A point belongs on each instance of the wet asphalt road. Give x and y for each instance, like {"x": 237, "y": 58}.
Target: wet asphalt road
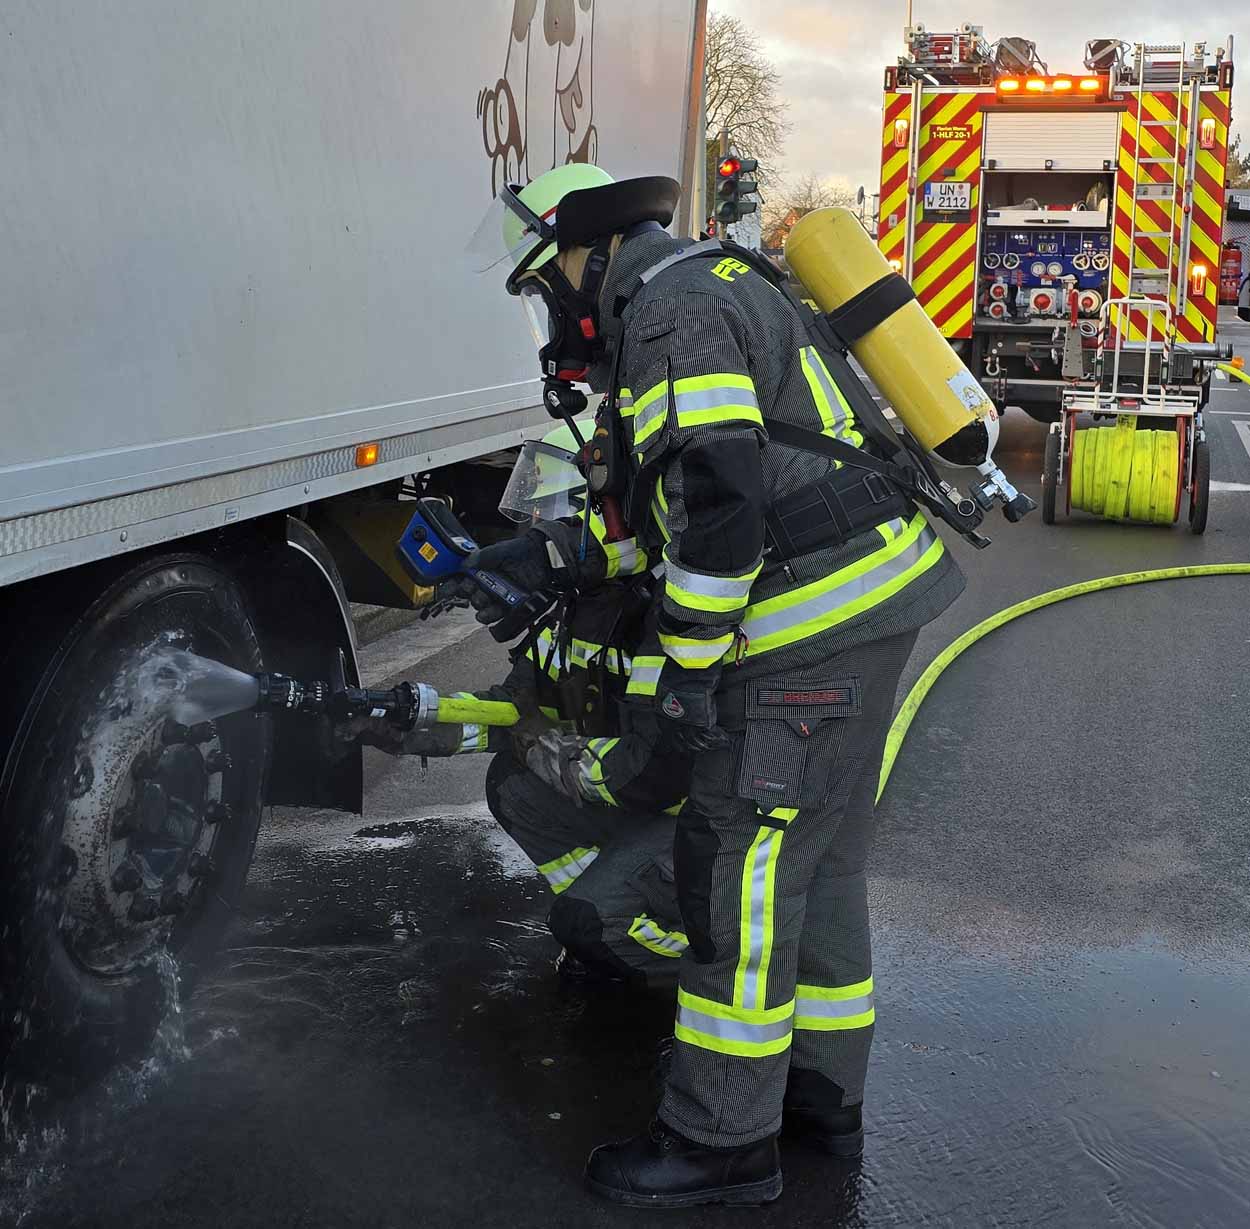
{"x": 1061, "y": 883}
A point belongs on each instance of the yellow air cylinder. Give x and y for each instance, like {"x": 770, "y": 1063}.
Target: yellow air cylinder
{"x": 905, "y": 356}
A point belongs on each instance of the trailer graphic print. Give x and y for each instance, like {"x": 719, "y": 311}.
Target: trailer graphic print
{"x": 548, "y": 72}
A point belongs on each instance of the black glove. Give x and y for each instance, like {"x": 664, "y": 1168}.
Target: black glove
{"x": 521, "y": 561}
{"x": 687, "y": 711}
{"x": 443, "y": 740}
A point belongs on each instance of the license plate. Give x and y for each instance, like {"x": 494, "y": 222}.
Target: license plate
{"x": 948, "y": 195}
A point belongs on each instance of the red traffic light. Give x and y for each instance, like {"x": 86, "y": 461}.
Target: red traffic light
{"x": 728, "y": 167}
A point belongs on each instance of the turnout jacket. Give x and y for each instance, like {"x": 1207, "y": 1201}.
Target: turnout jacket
{"x": 711, "y": 351}
{"x": 576, "y": 672}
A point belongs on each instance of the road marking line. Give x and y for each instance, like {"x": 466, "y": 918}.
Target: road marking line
{"x": 1243, "y": 413}
{"x": 1230, "y": 486}
{"x": 1243, "y": 431}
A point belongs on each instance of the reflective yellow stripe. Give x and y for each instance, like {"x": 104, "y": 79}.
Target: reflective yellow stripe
{"x": 561, "y": 872}
{"x": 650, "y": 412}
{"x": 837, "y": 419}
{"x": 815, "y": 608}
{"x": 827, "y": 1009}
{"x": 755, "y": 924}
{"x": 747, "y": 1033}
{"x": 590, "y": 768}
{"x": 694, "y": 654}
{"x": 625, "y": 558}
{"x": 656, "y": 939}
{"x": 725, "y": 396}
{"x": 705, "y": 592}
{"x": 644, "y": 675}
{"x": 580, "y": 655}
{"x": 625, "y": 403}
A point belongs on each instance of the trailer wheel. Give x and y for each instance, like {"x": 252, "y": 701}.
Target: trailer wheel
{"x": 1050, "y": 477}
{"x": 127, "y": 836}
{"x": 1200, "y": 492}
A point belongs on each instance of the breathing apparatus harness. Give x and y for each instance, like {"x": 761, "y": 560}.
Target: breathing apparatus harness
{"x": 867, "y": 490}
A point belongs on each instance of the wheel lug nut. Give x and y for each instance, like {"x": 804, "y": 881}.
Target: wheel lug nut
{"x": 144, "y": 909}
{"x": 201, "y": 866}
{"x": 175, "y": 732}
{"x": 173, "y": 903}
{"x": 218, "y": 812}
{"x": 67, "y": 867}
{"x": 127, "y": 878}
{"x": 218, "y": 761}
{"x": 143, "y": 766}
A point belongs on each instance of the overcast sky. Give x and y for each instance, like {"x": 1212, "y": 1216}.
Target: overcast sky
{"x": 832, "y": 53}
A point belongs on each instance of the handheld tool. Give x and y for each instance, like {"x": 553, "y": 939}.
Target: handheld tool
{"x": 407, "y": 707}
{"x": 435, "y": 546}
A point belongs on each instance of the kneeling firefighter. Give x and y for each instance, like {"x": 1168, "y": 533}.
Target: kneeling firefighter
{"x": 580, "y": 783}
{"x": 797, "y": 570}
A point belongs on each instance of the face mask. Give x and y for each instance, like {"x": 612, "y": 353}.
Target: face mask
{"x": 575, "y": 345}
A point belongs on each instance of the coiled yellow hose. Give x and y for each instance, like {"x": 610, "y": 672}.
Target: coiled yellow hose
{"x": 916, "y": 697}
{"x": 1125, "y": 473}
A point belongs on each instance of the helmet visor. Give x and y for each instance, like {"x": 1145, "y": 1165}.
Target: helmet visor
{"x": 509, "y": 230}
{"x": 545, "y": 485}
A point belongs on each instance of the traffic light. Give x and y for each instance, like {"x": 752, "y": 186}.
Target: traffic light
{"x": 731, "y": 188}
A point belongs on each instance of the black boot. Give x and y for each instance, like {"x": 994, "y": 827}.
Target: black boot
{"x": 813, "y": 1114}
{"x": 662, "y": 1169}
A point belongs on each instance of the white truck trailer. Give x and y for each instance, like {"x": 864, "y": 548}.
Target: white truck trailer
{"x": 236, "y": 320}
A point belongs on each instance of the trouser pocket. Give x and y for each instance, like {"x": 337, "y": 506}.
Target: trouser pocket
{"x": 793, "y": 731}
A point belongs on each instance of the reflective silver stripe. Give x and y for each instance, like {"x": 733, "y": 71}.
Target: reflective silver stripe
{"x": 624, "y": 555}
{"x": 709, "y": 586}
{"x": 645, "y": 673}
{"x": 757, "y": 627}
{"x": 838, "y": 408}
{"x": 712, "y": 398}
{"x": 750, "y": 972}
{"x": 469, "y": 737}
{"x": 703, "y": 650}
{"x": 732, "y": 1030}
{"x": 833, "y": 1009}
{"x": 648, "y": 419}
{"x": 674, "y": 942}
{"x": 563, "y": 871}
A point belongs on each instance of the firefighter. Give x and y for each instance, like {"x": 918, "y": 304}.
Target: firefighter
{"x": 792, "y": 593}
{"x": 597, "y": 833}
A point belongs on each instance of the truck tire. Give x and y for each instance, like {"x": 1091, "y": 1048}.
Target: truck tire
{"x": 126, "y": 837}
{"x": 1200, "y": 492}
{"x": 1050, "y": 477}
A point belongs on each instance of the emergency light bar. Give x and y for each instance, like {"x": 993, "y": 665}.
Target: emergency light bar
{"x": 1054, "y": 87}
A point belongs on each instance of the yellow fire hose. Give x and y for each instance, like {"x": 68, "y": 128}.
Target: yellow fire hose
{"x": 924, "y": 684}
{"x": 1229, "y": 369}
{"x": 1122, "y": 472}
{"x": 468, "y": 710}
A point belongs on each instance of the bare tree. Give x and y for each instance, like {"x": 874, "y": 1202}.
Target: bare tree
{"x": 788, "y": 202}
{"x": 1238, "y": 165}
{"x": 742, "y": 94}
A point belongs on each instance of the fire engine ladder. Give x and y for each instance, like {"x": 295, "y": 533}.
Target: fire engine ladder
{"x": 1162, "y": 68}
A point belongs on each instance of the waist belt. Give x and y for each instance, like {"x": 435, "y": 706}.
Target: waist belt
{"x": 830, "y": 512}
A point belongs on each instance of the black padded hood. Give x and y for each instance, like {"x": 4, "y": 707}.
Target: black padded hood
{"x": 590, "y": 214}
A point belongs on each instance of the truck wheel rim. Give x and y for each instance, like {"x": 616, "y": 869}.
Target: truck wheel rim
{"x": 163, "y": 787}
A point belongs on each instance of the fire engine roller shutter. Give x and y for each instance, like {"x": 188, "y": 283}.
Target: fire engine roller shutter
{"x": 1072, "y": 140}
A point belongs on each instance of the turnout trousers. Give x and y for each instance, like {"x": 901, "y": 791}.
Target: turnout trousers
{"x": 775, "y": 993}
{"x": 610, "y": 871}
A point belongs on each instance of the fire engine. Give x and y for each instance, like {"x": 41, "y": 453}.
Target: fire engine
{"x": 1056, "y": 226}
